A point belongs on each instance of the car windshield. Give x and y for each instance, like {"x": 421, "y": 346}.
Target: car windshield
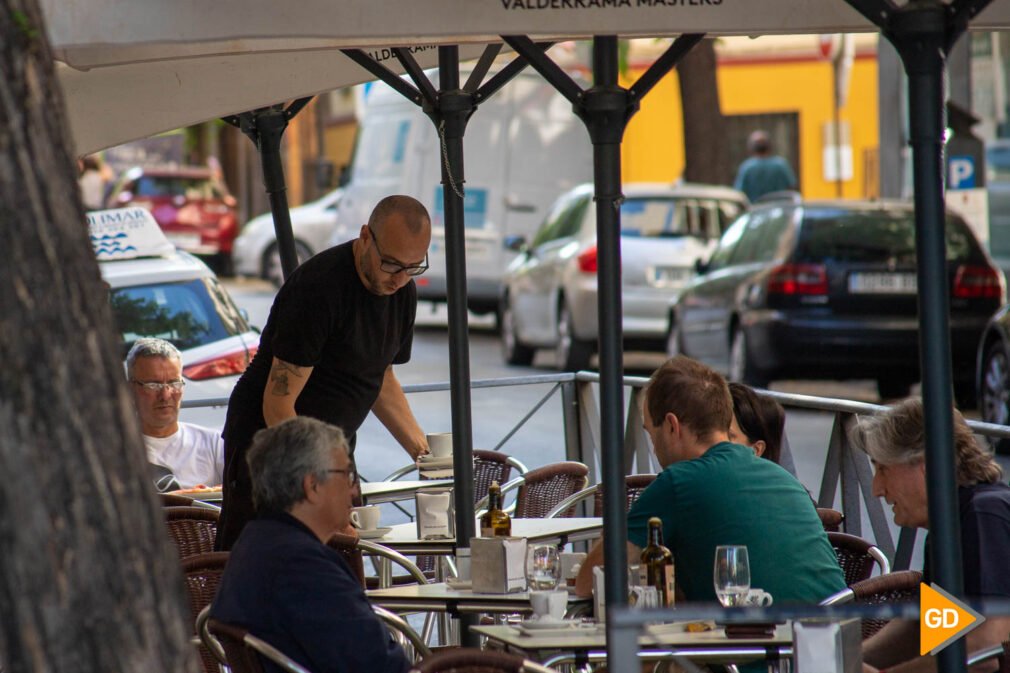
{"x": 189, "y": 314}
{"x": 871, "y": 236}
{"x": 163, "y": 185}
{"x": 672, "y": 217}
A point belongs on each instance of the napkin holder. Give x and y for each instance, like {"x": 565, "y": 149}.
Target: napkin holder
{"x": 436, "y": 514}
{"x": 498, "y": 564}
{"x": 820, "y": 646}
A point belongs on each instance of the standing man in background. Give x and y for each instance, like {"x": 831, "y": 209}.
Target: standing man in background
{"x": 763, "y": 172}
{"x": 336, "y": 328}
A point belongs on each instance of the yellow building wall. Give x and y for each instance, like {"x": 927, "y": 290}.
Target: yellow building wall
{"x": 654, "y": 140}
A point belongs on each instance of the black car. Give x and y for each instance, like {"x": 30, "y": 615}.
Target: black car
{"x": 994, "y": 374}
{"x": 827, "y": 290}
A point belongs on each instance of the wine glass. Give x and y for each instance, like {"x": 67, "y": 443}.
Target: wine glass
{"x": 543, "y": 567}
{"x": 731, "y": 575}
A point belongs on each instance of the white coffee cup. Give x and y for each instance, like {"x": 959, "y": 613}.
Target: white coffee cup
{"x": 758, "y": 597}
{"x": 366, "y": 518}
{"x": 440, "y": 444}
{"x": 549, "y": 605}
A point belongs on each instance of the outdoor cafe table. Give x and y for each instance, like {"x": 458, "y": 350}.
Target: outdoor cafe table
{"x": 376, "y": 492}
{"x": 580, "y": 645}
{"x": 403, "y": 537}
{"x": 438, "y": 597}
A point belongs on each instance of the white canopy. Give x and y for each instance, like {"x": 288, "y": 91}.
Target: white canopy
{"x": 132, "y": 68}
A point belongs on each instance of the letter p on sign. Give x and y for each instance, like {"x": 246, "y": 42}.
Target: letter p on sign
{"x": 942, "y": 619}
{"x": 961, "y": 172}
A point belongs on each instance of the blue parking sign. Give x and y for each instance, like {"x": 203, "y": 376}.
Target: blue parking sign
{"x": 961, "y": 172}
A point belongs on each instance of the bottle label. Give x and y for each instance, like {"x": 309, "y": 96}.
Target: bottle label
{"x": 668, "y": 582}
{"x": 486, "y": 531}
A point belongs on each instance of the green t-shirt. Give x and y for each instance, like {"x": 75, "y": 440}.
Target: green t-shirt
{"x": 730, "y": 496}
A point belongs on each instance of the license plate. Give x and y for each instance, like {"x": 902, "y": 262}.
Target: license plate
{"x": 665, "y": 276}
{"x": 184, "y": 241}
{"x": 883, "y": 283}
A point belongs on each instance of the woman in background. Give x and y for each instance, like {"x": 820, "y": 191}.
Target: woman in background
{"x": 758, "y": 422}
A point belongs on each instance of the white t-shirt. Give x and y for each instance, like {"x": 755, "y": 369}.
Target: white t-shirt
{"x": 195, "y": 455}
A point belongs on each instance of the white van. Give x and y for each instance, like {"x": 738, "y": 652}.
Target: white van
{"x": 523, "y": 147}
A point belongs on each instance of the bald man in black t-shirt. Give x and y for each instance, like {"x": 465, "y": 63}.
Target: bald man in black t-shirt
{"x": 336, "y": 328}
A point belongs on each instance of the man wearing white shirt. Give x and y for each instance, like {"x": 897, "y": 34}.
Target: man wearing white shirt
{"x": 192, "y": 453}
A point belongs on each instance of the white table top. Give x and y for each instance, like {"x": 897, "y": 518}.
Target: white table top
{"x": 403, "y": 537}
{"x": 439, "y": 597}
{"x": 375, "y": 492}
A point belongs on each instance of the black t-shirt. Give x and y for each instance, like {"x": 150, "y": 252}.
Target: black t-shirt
{"x": 324, "y": 317}
{"x": 985, "y": 540}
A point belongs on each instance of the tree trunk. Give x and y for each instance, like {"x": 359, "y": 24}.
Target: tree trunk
{"x": 88, "y": 580}
{"x": 705, "y": 149}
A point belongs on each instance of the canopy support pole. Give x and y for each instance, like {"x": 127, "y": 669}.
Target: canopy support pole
{"x": 923, "y": 32}
{"x": 606, "y": 108}
{"x": 265, "y": 127}
{"x": 449, "y": 107}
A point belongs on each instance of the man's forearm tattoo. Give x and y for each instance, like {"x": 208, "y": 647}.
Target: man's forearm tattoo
{"x": 280, "y": 379}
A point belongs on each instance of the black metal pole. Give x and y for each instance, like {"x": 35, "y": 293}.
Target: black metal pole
{"x": 265, "y": 127}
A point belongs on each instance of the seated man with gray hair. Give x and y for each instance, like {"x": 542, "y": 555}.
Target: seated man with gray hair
{"x": 282, "y": 582}
{"x": 193, "y": 454}
{"x": 895, "y": 442}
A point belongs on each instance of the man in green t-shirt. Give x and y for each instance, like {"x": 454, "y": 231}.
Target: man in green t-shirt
{"x": 712, "y": 492}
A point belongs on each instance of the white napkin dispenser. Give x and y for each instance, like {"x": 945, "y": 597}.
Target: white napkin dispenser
{"x": 498, "y": 564}
{"x": 436, "y": 514}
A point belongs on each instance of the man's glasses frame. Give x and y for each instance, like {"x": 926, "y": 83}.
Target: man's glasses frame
{"x": 392, "y": 267}
{"x": 352, "y": 474}
{"x": 175, "y": 386}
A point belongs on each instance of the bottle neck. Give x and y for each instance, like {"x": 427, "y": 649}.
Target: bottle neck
{"x": 494, "y": 500}
{"x": 655, "y": 536}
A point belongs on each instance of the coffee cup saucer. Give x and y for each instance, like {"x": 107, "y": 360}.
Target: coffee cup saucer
{"x": 373, "y": 533}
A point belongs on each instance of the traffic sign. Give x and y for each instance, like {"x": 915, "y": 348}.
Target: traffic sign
{"x": 961, "y": 172}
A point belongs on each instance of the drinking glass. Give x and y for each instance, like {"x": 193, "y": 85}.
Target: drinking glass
{"x": 543, "y": 567}
{"x": 732, "y": 574}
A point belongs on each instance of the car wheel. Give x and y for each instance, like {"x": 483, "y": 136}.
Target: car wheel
{"x": 271, "y": 267}
{"x": 572, "y": 352}
{"x": 741, "y": 364}
{"x": 514, "y": 351}
{"x": 673, "y": 348}
{"x": 994, "y": 393}
{"x": 893, "y": 387}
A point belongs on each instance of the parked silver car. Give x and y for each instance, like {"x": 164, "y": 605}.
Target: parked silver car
{"x": 549, "y": 291}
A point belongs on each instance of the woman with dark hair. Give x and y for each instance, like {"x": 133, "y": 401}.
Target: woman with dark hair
{"x": 758, "y": 422}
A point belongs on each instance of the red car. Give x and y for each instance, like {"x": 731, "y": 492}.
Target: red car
{"x": 196, "y": 212}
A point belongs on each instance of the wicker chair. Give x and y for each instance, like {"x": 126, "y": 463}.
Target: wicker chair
{"x": 243, "y": 650}
{"x": 831, "y": 519}
{"x": 543, "y": 488}
{"x": 898, "y": 587}
{"x": 202, "y": 574}
{"x": 193, "y": 529}
{"x": 347, "y": 546}
{"x": 857, "y": 557}
{"x": 635, "y": 484}
{"x": 175, "y": 500}
{"x": 999, "y": 653}
{"x": 469, "y": 660}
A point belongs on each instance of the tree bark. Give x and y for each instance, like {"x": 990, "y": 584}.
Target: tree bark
{"x": 88, "y": 579}
{"x": 705, "y": 148}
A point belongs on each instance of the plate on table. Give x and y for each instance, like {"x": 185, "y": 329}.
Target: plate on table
{"x": 428, "y": 461}
{"x": 373, "y": 534}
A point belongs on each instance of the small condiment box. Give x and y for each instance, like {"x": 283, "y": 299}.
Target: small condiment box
{"x": 436, "y": 514}
{"x": 498, "y": 564}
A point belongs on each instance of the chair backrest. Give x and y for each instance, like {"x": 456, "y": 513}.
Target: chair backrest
{"x": 347, "y": 546}
{"x": 193, "y": 529}
{"x": 546, "y": 486}
{"x": 489, "y": 466}
{"x": 897, "y": 587}
{"x": 244, "y": 650}
{"x": 470, "y": 660}
{"x": 831, "y": 519}
{"x": 635, "y": 484}
{"x": 857, "y": 557}
{"x": 409, "y": 639}
{"x": 175, "y": 500}
{"x": 202, "y": 574}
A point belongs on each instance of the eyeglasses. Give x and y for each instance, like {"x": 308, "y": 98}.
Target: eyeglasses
{"x": 157, "y": 387}
{"x": 391, "y": 267}
{"x": 352, "y": 475}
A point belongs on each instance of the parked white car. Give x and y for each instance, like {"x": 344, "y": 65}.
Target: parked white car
{"x": 255, "y": 251}
{"x": 549, "y": 298}
{"x": 158, "y": 291}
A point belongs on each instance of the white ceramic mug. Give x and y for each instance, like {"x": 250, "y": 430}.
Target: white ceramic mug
{"x": 366, "y": 518}
{"x": 440, "y": 444}
{"x": 549, "y": 605}
{"x": 759, "y": 597}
